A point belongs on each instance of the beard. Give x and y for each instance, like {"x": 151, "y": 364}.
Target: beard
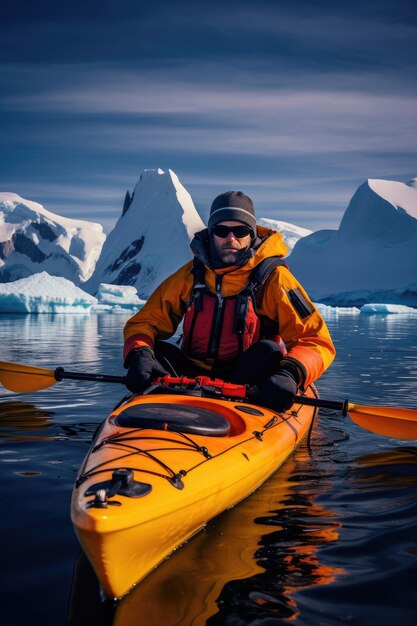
{"x": 228, "y": 253}
{"x": 223, "y": 255}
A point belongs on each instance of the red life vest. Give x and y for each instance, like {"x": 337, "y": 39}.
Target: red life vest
{"x": 216, "y": 329}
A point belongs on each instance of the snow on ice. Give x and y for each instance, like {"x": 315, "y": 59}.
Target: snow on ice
{"x": 333, "y": 311}
{"x": 330, "y": 312}
{"x": 33, "y": 240}
{"x": 383, "y": 309}
{"x": 42, "y": 293}
{"x": 123, "y": 296}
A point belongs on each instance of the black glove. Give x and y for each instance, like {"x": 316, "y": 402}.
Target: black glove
{"x": 279, "y": 390}
{"x": 143, "y": 368}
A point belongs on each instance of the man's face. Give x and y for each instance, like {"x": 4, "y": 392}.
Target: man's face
{"x": 228, "y": 247}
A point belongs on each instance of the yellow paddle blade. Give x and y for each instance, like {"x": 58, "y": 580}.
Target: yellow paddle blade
{"x": 24, "y": 378}
{"x": 385, "y": 420}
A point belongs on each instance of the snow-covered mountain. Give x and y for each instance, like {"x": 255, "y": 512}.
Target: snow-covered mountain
{"x": 372, "y": 256}
{"x": 151, "y": 238}
{"x": 34, "y": 240}
{"x": 290, "y": 233}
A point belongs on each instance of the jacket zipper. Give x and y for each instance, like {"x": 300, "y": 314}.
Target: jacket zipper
{"x": 216, "y": 325}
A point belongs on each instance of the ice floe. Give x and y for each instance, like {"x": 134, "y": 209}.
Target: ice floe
{"x": 113, "y": 296}
{"x": 379, "y": 308}
{"x": 332, "y": 311}
{"x": 42, "y": 293}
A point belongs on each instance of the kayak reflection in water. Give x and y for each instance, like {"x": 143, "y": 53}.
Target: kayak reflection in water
{"x": 246, "y": 319}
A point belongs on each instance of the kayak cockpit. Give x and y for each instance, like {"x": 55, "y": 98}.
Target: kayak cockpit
{"x": 191, "y": 419}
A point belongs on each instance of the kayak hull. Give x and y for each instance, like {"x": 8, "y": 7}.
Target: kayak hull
{"x": 189, "y": 478}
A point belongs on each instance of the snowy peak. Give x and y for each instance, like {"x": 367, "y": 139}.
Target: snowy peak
{"x": 13, "y": 199}
{"x": 381, "y": 211}
{"x": 33, "y": 240}
{"x": 154, "y": 185}
{"x": 402, "y": 196}
{"x": 372, "y": 252}
{"x": 151, "y": 238}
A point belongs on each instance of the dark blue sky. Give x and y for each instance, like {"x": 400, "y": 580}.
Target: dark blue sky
{"x": 294, "y": 103}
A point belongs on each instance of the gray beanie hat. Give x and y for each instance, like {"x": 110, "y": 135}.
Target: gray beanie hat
{"x": 232, "y": 206}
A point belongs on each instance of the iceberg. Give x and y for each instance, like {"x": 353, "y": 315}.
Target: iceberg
{"x": 333, "y": 311}
{"x": 123, "y": 296}
{"x": 384, "y": 309}
{"x": 43, "y": 293}
{"x": 151, "y": 239}
{"x": 371, "y": 257}
{"x": 329, "y": 312}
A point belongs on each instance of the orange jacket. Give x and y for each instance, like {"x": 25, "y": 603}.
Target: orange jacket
{"x": 307, "y": 340}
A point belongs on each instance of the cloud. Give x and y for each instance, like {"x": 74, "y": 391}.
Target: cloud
{"x": 125, "y": 111}
{"x": 196, "y": 88}
{"x": 299, "y": 104}
{"x": 292, "y": 130}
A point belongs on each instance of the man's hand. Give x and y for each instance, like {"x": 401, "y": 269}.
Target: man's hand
{"x": 279, "y": 390}
{"x": 143, "y": 368}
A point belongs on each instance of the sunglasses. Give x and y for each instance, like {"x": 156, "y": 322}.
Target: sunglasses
{"x": 220, "y": 230}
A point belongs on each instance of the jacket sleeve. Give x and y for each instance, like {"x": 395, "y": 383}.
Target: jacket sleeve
{"x": 301, "y": 326}
{"x": 160, "y": 315}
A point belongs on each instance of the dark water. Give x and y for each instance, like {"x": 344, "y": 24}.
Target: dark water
{"x": 330, "y": 539}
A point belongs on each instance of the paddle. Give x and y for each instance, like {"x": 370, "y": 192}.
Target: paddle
{"x": 383, "y": 420}
{"x": 24, "y": 378}
{"x": 389, "y": 421}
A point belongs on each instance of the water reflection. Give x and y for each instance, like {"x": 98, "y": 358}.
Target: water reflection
{"x": 393, "y": 471}
{"x": 81, "y": 338}
{"x": 24, "y": 422}
{"x": 20, "y": 421}
{"x": 377, "y": 500}
{"x": 376, "y": 358}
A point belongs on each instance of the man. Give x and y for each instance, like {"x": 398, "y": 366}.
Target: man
{"x": 246, "y": 318}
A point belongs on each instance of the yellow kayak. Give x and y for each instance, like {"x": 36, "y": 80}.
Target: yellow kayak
{"x": 163, "y": 464}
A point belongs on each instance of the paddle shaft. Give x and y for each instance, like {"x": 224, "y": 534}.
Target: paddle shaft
{"x": 324, "y": 404}
{"x": 61, "y": 374}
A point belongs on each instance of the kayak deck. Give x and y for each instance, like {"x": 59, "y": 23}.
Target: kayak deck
{"x": 161, "y": 466}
